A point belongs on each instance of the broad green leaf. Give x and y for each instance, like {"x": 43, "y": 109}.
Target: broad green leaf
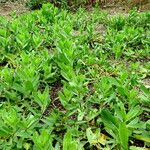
{"x": 109, "y": 120}
{"x": 134, "y": 112}
{"x": 68, "y": 142}
{"x": 123, "y": 136}
{"x": 138, "y": 148}
{"x": 145, "y": 138}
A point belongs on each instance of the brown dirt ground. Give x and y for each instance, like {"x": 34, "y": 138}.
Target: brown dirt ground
{"x": 19, "y": 7}
{"x": 146, "y": 82}
{"x": 9, "y": 7}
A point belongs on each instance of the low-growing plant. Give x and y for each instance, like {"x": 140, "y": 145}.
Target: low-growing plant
{"x": 65, "y": 84}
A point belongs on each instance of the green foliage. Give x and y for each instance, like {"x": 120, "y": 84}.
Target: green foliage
{"x": 43, "y": 99}
{"x": 37, "y": 4}
{"x": 42, "y": 141}
{"x": 69, "y": 143}
{"x": 66, "y": 84}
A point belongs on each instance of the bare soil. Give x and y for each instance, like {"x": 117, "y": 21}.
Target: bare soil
{"x": 19, "y": 7}
{"x": 55, "y": 102}
{"x": 147, "y": 82}
{"x": 6, "y": 9}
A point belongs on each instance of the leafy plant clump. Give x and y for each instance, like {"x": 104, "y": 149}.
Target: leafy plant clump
{"x": 73, "y": 4}
{"x": 68, "y": 84}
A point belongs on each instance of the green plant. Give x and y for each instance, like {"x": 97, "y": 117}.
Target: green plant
{"x": 35, "y": 4}
{"x": 122, "y": 125}
{"x": 42, "y": 140}
{"x": 69, "y": 143}
{"x": 67, "y": 84}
